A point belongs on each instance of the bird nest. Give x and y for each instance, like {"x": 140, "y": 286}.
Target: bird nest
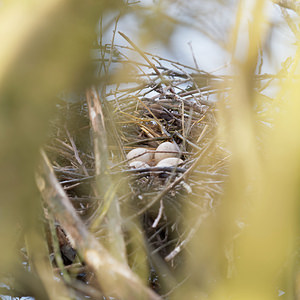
{"x": 161, "y": 101}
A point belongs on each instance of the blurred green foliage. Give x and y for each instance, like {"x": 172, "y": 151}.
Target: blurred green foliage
{"x": 45, "y": 48}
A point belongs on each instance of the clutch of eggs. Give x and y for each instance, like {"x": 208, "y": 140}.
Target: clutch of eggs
{"x": 166, "y": 155}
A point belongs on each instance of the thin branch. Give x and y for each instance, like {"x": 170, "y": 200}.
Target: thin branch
{"x": 104, "y": 182}
{"x": 192, "y": 232}
{"x": 160, "y": 212}
{"x": 139, "y": 51}
{"x": 116, "y": 279}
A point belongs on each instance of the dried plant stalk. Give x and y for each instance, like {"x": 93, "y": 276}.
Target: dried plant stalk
{"x": 115, "y": 278}
{"x": 104, "y": 182}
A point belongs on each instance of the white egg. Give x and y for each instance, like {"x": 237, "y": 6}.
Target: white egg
{"x": 140, "y": 154}
{"x": 169, "y": 150}
{"x": 169, "y": 162}
{"x": 138, "y": 164}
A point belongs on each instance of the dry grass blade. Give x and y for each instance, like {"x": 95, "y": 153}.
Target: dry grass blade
{"x": 104, "y": 182}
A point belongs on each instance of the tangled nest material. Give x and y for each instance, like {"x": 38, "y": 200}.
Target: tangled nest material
{"x": 161, "y": 101}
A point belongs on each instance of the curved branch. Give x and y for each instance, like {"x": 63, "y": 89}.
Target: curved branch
{"x": 116, "y": 279}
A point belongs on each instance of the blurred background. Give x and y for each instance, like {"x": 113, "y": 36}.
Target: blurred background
{"x": 226, "y": 72}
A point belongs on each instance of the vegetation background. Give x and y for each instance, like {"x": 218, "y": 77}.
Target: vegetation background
{"x": 46, "y": 49}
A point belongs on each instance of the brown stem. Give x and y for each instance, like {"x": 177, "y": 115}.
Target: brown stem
{"x": 116, "y": 279}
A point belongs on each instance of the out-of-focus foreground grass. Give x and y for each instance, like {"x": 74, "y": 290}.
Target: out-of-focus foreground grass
{"x": 249, "y": 248}
{"x": 45, "y": 49}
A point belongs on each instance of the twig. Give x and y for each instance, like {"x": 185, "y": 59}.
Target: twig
{"x": 164, "y": 59}
{"x": 112, "y": 42}
{"x": 104, "y": 183}
{"x": 193, "y": 54}
{"x": 192, "y": 232}
{"x": 156, "y": 221}
{"x": 114, "y": 277}
{"x": 76, "y": 153}
{"x": 163, "y": 130}
{"x": 194, "y": 82}
{"x": 56, "y": 250}
{"x": 140, "y": 52}
{"x": 188, "y": 141}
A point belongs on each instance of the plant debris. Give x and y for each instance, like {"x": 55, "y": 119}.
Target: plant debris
{"x": 174, "y": 105}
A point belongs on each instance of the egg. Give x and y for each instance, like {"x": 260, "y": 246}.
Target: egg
{"x": 140, "y": 154}
{"x": 169, "y": 162}
{"x": 169, "y": 150}
{"x": 137, "y": 164}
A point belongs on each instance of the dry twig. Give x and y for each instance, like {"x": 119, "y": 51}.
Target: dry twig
{"x": 115, "y": 278}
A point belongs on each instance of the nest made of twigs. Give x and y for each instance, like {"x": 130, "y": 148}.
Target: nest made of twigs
{"x": 169, "y": 106}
